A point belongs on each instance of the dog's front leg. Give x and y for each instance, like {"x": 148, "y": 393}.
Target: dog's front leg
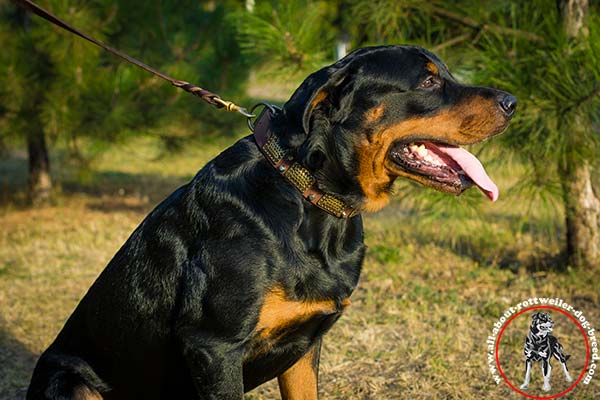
{"x": 546, "y": 369}
{"x": 216, "y": 370}
{"x": 559, "y": 355}
{"x": 566, "y": 370}
{"x": 527, "y": 379}
{"x": 299, "y": 382}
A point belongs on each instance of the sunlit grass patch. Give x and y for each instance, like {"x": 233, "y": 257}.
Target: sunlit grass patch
{"x": 438, "y": 273}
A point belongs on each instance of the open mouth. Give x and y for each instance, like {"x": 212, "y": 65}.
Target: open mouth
{"x": 449, "y": 168}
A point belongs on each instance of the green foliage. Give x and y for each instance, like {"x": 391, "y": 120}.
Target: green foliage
{"x": 396, "y": 22}
{"x": 557, "y": 84}
{"x": 55, "y": 81}
{"x": 288, "y": 36}
{"x": 44, "y": 75}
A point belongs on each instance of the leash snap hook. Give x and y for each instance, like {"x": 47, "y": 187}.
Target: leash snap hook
{"x": 218, "y": 102}
{"x": 271, "y": 107}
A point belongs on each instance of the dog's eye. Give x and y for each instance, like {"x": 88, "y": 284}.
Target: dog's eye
{"x": 430, "y": 81}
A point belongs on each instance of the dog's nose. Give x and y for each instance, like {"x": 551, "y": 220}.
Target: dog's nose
{"x": 507, "y": 103}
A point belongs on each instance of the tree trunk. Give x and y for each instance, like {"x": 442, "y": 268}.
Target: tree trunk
{"x": 582, "y": 206}
{"x": 574, "y": 13}
{"x": 40, "y": 182}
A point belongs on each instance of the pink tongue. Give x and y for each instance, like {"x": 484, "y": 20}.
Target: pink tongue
{"x": 472, "y": 168}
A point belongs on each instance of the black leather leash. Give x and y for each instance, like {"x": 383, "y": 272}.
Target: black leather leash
{"x": 206, "y": 95}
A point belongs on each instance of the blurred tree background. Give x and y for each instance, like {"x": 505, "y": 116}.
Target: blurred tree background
{"x": 57, "y": 89}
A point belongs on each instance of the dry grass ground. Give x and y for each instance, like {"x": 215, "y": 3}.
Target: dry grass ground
{"x": 434, "y": 281}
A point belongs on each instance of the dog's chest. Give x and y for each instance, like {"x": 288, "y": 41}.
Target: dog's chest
{"x": 284, "y": 332}
{"x": 539, "y": 344}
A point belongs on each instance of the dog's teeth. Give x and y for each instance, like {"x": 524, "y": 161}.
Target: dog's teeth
{"x": 422, "y": 151}
{"x": 428, "y": 158}
{"x": 413, "y": 147}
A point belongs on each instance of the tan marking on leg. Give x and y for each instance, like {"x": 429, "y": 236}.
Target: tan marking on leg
{"x": 278, "y": 311}
{"x": 299, "y": 382}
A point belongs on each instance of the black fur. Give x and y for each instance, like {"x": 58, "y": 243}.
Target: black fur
{"x": 173, "y": 314}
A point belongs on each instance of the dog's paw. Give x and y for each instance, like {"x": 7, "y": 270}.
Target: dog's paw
{"x": 568, "y": 378}
{"x": 547, "y": 388}
{"x": 524, "y": 386}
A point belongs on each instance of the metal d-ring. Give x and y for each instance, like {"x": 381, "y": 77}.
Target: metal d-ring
{"x": 273, "y": 108}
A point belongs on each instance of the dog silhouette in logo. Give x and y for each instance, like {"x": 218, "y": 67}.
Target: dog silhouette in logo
{"x": 540, "y": 345}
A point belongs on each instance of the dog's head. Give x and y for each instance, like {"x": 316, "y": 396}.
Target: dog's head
{"x": 393, "y": 111}
{"x": 541, "y": 323}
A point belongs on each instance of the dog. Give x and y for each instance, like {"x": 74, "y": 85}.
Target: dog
{"x": 540, "y": 345}
{"x": 234, "y": 279}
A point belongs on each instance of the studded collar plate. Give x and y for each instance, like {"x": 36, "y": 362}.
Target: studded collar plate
{"x": 296, "y": 174}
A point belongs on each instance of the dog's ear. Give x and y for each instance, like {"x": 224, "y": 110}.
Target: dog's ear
{"x": 535, "y": 316}
{"x": 318, "y": 91}
{"x": 324, "y": 98}
{"x": 322, "y": 86}
{"x": 319, "y": 88}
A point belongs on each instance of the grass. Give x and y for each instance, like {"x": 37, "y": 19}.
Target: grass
{"x": 439, "y": 272}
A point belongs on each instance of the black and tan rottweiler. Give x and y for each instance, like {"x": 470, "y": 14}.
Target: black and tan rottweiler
{"x": 540, "y": 345}
{"x": 234, "y": 279}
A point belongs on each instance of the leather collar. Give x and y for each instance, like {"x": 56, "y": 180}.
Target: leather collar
{"x": 301, "y": 178}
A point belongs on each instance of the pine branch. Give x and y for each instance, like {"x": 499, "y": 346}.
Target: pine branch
{"x": 580, "y": 101}
{"x": 163, "y": 27}
{"x": 471, "y": 23}
{"x": 453, "y": 41}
